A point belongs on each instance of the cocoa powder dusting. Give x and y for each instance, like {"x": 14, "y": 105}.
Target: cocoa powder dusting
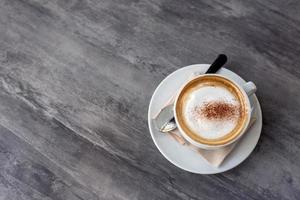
{"x": 218, "y": 110}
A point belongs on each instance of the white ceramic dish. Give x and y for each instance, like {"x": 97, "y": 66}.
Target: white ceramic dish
{"x": 182, "y": 156}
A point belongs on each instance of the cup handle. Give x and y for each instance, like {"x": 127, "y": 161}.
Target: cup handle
{"x": 250, "y": 88}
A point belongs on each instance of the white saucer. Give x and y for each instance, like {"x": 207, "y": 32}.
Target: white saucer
{"x": 182, "y": 156}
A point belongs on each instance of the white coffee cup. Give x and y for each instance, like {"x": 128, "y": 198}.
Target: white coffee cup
{"x": 245, "y": 90}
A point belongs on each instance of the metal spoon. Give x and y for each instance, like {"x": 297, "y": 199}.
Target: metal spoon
{"x": 170, "y": 123}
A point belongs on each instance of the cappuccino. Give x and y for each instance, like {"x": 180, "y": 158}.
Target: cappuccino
{"x": 211, "y": 110}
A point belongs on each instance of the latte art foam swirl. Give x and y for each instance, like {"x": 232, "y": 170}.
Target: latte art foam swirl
{"x": 212, "y": 112}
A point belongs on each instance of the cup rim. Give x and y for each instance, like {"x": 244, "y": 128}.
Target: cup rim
{"x": 214, "y": 146}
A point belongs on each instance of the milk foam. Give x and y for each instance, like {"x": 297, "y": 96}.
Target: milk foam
{"x": 208, "y": 128}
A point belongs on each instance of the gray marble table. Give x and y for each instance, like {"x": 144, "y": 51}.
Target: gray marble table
{"x": 76, "y": 78}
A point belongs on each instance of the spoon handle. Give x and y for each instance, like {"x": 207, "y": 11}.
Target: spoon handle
{"x": 217, "y": 64}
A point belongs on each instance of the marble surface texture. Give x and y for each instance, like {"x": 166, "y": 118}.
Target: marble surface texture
{"x": 76, "y": 77}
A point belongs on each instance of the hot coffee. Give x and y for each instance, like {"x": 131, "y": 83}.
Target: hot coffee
{"x": 211, "y": 110}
